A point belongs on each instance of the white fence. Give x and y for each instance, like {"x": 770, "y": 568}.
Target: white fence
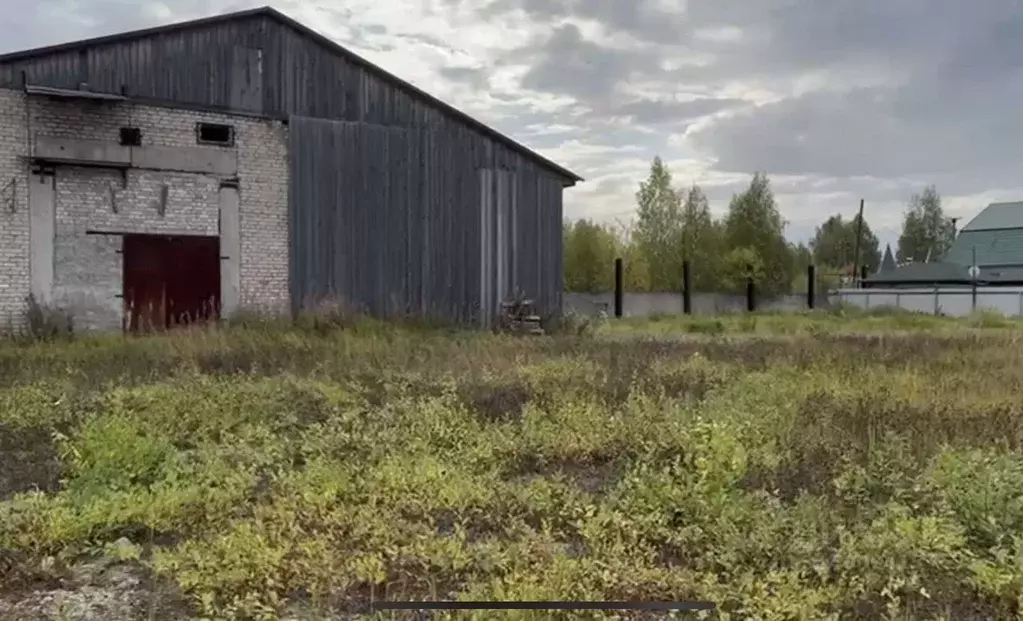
{"x": 951, "y": 301}
{"x": 670, "y": 303}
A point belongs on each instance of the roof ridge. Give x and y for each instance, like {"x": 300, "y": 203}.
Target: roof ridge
{"x": 990, "y": 228}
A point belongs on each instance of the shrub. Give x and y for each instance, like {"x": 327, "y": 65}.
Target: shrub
{"x": 44, "y": 322}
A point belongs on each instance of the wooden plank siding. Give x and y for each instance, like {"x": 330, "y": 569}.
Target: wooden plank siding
{"x": 380, "y": 219}
{"x": 193, "y": 66}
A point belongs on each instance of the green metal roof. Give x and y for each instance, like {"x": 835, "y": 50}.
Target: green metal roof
{"x": 923, "y": 273}
{"x": 998, "y": 216}
{"x": 1012, "y": 273}
{"x": 994, "y": 247}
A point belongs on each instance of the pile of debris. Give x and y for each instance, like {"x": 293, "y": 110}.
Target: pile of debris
{"x": 519, "y": 317}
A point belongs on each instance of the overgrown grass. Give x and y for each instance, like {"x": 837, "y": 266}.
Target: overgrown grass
{"x": 814, "y": 466}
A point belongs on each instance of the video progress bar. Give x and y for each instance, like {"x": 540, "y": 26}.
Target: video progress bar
{"x": 395, "y": 605}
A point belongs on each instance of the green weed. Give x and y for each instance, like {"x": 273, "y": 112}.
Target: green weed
{"x": 808, "y": 466}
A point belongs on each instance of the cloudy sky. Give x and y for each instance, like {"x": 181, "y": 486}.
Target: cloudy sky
{"x": 836, "y": 100}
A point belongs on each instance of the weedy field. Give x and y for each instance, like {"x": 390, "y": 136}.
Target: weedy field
{"x": 784, "y": 467}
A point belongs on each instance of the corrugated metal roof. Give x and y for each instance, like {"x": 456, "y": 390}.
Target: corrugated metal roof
{"x": 320, "y": 39}
{"x": 994, "y": 247}
{"x": 1013, "y": 273}
{"x": 923, "y": 272}
{"x": 998, "y": 216}
{"x": 944, "y": 273}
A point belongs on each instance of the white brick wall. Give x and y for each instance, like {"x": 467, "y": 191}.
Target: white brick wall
{"x": 87, "y": 267}
{"x": 14, "y": 227}
{"x": 263, "y": 172}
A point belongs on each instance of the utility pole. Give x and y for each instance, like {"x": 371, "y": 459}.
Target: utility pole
{"x": 856, "y": 252}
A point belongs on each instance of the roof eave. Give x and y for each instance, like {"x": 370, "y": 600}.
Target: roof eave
{"x": 990, "y": 229}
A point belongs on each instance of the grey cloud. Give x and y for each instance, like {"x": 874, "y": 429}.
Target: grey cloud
{"x": 967, "y": 138}
{"x": 797, "y": 35}
{"x": 642, "y": 18}
{"x": 780, "y": 39}
{"x": 648, "y": 111}
{"x": 788, "y": 35}
{"x": 473, "y": 76}
{"x": 568, "y": 64}
{"x": 776, "y": 34}
{"x": 946, "y": 113}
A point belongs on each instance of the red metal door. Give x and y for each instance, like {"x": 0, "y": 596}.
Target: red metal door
{"x": 170, "y": 281}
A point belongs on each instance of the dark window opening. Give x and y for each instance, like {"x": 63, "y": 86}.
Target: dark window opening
{"x": 213, "y": 133}
{"x": 131, "y": 137}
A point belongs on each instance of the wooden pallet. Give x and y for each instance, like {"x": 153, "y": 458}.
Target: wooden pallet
{"x": 519, "y": 317}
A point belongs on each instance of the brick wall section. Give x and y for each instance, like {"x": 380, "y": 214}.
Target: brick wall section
{"x": 14, "y": 227}
{"x": 263, "y": 172}
{"x": 88, "y": 268}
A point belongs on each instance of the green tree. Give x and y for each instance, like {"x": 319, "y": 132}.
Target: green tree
{"x": 802, "y": 255}
{"x": 754, "y": 223}
{"x": 590, "y": 251}
{"x": 701, "y": 240}
{"x": 926, "y": 232}
{"x": 737, "y": 266}
{"x": 834, "y": 244}
{"x": 658, "y": 228}
{"x": 637, "y": 271}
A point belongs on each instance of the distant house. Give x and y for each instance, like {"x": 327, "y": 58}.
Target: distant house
{"x": 994, "y": 239}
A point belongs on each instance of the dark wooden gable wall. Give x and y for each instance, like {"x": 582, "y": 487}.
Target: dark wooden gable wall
{"x": 211, "y": 65}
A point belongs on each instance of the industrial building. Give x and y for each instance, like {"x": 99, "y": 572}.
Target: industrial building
{"x": 244, "y": 161}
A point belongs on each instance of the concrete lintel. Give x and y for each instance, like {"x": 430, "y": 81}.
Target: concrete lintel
{"x": 76, "y": 151}
{"x": 186, "y": 159}
{"x": 106, "y": 153}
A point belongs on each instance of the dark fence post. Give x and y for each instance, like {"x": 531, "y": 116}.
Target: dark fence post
{"x": 811, "y": 286}
{"x": 751, "y": 302}
{"x": 619, "y": 273}
{"x": 687, "y": 297}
